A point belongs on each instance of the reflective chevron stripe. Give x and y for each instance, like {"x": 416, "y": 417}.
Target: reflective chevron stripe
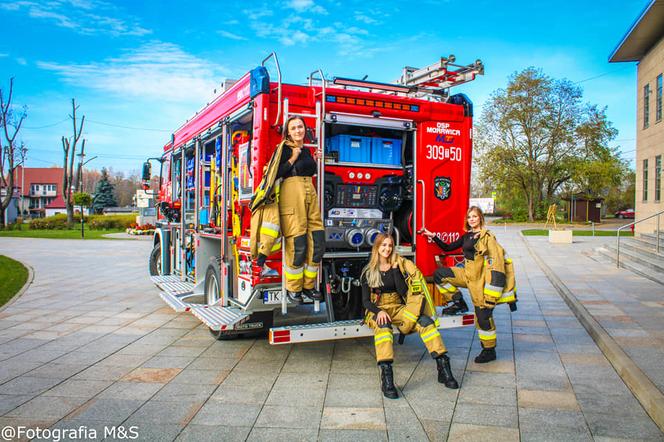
{"x": 294, "y": 274}
{"x": 270, "y": 229}
{"x": 428, "y": 336}
{"x": 311, "y": 271}
{"x": 408, "y": 315}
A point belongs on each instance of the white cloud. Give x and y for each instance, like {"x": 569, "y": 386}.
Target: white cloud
{"x": 3, "y": 55}
{"x": 86, "y": 17}
{"x": 231, "y": 35}
{"x": 306, "y": 6}
{"x": 156, "y": 70}
{"x": 22, "y": 61}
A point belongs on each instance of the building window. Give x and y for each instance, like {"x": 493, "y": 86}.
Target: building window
{"x": 658, "y": 99}
{"x": 658, "y": 178}
{"x": 646, "y": 106}
{"x": 645, "y": 180}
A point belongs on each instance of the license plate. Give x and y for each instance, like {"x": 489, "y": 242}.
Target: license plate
{"x": 250, "y": 325}
{"x": 272, "y": 297}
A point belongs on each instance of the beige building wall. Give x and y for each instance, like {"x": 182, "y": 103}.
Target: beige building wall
{"x": 649, "y": 140}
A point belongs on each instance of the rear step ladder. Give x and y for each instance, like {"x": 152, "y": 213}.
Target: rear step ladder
{"x": 219, "y": 318}
{"x": 173, "y": 285}
{"x": 318, "y": 115}
{"x": 329, "y": 331}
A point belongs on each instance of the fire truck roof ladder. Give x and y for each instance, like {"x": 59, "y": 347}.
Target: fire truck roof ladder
{"x": 434, "y": 79}
{"x": 439, "y": 75}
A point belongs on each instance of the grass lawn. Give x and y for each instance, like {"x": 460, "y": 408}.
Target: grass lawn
{"x": 13, "y": 275}
{"x": 58, "y": 234}
{"x": 543, "y": 232}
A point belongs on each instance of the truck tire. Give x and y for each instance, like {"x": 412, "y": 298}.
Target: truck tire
{"x": 212, "y": 284}
{"x": 155, "y": 260}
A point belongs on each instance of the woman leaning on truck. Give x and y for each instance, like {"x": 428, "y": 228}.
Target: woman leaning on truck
{"x": 484, "y": 274}
{"x": 299, "y": 214}
{"x": 392, "y": 296}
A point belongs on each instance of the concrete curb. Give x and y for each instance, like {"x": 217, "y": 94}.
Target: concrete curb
{"x": 645, "y": 391}
{"x": 28, "y": 282}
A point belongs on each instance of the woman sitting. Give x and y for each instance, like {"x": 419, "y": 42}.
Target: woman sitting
{"x": 389, "y": 301}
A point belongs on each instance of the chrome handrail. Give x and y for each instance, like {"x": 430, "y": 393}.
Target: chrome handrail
{"x": 276, "y": 62}
{"x": 658, "y": 215}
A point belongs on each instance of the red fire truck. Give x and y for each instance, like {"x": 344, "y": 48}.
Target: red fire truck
{"x": 393, "y": 158}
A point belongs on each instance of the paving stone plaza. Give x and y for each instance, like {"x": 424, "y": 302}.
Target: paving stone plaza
{"x": 90, "y": 344}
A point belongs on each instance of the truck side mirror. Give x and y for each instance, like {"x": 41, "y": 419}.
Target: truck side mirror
{"x": 147, "y": 174}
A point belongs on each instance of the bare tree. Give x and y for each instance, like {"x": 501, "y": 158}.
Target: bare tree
{"x": 11, "y": 155}
{"x": 69, "y": 150}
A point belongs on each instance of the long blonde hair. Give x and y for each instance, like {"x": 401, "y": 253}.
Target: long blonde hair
{"x": 371, "y": 272}
{"x": 479, "y": 213}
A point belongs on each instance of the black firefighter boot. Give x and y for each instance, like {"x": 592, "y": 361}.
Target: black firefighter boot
{"x": 458, "y": 305}
{"x": 387, "y": 380}
{"x": 445, "y": 375}
{"x": 486, "y": 355}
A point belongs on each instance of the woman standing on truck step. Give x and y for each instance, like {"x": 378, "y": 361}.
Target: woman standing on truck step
{"x": 393, "y": 296}
{"x": 484, "y": 274}
{"x": 299, "y": 214}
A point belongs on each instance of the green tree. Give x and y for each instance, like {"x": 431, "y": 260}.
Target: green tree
{"x": 536, "y": 136}
{"x": 104, "y": 196}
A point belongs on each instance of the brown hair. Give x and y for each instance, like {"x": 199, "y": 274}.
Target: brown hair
{"x": 286, "y": 136}
{"x": 479, "y": 213}
{"x": 371, "y": 271}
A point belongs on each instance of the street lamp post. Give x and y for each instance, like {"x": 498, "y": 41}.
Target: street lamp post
{"x": 79, "y": 184}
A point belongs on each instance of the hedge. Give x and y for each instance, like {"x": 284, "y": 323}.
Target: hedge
{"x": 96, "y": 222}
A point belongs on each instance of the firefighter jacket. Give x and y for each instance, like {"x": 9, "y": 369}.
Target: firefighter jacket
{"x": 418, "y": 300}
{"x": 265, "y": 226}
{"x": 490, "y": 275}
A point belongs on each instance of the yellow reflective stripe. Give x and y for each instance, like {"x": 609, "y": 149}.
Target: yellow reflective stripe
{"x": 383, "y": 339}
{"x": 410, "y": 316}
{"x": 383, "y": 333}
{"x": 269, "y": 232}
{"x": 447, "y": 287}
{"x": 294, "y": 273}
{"x": 433, "y": 334}
{"x": 276, "y": 246}
{"x": 493, "y": 291}
{"x": 270, "y": 229}
{"x": 485, "y": 335}
{"x": 310, "y": 271}
{"x": 508, "y": 260}
{"x": 441, "y": 289}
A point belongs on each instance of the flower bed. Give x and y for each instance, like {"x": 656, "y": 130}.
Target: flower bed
{"x": 145, "y": 229}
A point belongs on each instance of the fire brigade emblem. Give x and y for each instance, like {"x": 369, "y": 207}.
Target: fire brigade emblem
{"x": 442, "y": 187}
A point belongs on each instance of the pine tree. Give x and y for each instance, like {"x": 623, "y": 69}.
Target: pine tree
{"x": 104, "y": 194}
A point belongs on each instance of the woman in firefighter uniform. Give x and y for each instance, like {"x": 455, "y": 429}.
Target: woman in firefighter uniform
{"x": 393, "y": 294}
{"x": 488, "y": 276}
{"x": 299, "y": 214}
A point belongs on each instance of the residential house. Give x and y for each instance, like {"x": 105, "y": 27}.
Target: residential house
{"x": 39, "y": 191}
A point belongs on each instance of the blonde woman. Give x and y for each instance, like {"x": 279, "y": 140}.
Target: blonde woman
{"x": 483, "y": 274}
{"x": 389, "y": 301}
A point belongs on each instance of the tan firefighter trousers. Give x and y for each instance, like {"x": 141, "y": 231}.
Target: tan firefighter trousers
{"x": 392, "y": 304}
{"x": 303, "y": 232}
{"x": 448, "y": 281}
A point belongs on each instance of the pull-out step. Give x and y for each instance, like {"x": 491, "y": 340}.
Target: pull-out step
{"x": 327, "y": 331}
{"x": 176, "y": 302}
{"x": 172, "y": 284}
{"x": 220, "y": 318}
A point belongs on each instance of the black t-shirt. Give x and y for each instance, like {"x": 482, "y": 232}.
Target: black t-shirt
{"x": 392, "y": 280}
{"x": 305, "y": 165}
{"x": 466, "y": 242}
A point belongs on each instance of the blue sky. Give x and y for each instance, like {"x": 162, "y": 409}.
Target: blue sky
{"x": 139, "y": 69}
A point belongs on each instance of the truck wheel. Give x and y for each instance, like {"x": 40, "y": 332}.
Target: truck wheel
{"x": 155, "y": 260}
{"x": 212, "y": 282}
